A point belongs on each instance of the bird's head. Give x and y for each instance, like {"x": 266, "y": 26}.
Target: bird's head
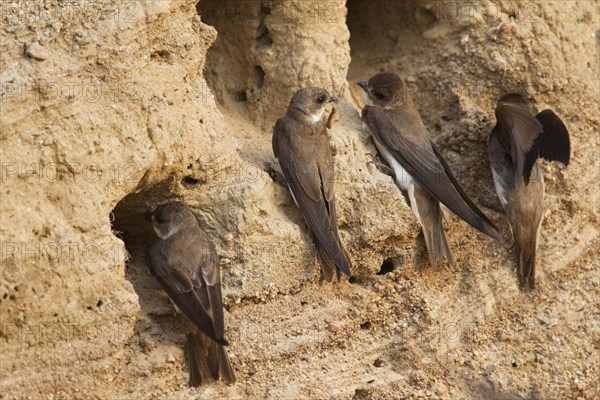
{"x": 169, "y": 218}
{"x": 309, "y": 104}
{"x": 385, "y": 90}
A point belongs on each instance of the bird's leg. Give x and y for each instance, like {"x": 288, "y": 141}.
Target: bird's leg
{"x": 275, "y": 175}
{"x": 381, "y": 165}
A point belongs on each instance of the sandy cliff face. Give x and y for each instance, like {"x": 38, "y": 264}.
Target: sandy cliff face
{"x": 121, "y": 106}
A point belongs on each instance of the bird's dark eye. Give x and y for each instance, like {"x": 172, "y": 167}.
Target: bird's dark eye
{"x": 378, "y": 95}
{"x": 158, "y": 219}
{"x": 320, "y": 99}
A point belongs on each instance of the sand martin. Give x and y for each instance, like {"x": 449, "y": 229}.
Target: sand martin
{"x": 400, "y": 136}
{"x": 185, "y": 263}
{"x": 301, "y": 145}
{"x": 516, "y": 142}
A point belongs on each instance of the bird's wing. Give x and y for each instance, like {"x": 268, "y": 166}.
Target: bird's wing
{"x": 407, "y": 140}
{"x": 327, "y": 178}
{"x": 326, "y": 173}
{"x": 275, "y": 138}
{"x": 524, "y": 128}
{"x": 501, "y": 163}
{"x": 472, "y": 206}
{"x": 553, "y": 144}
{"x": 211, "y": 275}
{"x": 180, "y": 272}
{"x": 312, "y": 187}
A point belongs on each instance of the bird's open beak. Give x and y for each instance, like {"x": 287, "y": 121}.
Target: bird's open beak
{"x": 364, "y": 85}
{"x": 333, "y": 99}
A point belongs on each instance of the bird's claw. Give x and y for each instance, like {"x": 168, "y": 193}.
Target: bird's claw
{"x": 275, "y": 175}
{"x": 382, "y": 167}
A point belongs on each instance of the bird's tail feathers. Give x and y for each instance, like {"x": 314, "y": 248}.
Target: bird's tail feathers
{"x": 328, "y": 264}
{"x": 525, "y": 254}
{"x": 437, "y": 245}
{"x": 208, "y": 360}
{"x": 328, "y": 268}
{"x": 429, "y": 213}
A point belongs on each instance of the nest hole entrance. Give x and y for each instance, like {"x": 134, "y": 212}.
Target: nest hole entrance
{"x": 230, "y": 69}
{"x": 380, "y": 31}
{"x": 130, "y": 223}
{"x": 392, "y": 36}
{"x": 388, "y": 265}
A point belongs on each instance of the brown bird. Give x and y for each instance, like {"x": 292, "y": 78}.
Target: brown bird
{"x": 419, "y": 168}
{"x": 516, "y": 142}
{"x": 301, "y": 145}
{"x": 185, "y": 263}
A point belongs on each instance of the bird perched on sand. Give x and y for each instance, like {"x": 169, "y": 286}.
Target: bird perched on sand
{"x": 185, "y": 263}
{"x": 301, "y": 145}
{"x": 419, "y": 168}
{"x": 516, "y": 142}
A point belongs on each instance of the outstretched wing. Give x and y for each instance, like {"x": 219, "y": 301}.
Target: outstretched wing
{"x": 552, "y": 144}
{"x": 524, "y": 128}
{"x": 544, "y": 135}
